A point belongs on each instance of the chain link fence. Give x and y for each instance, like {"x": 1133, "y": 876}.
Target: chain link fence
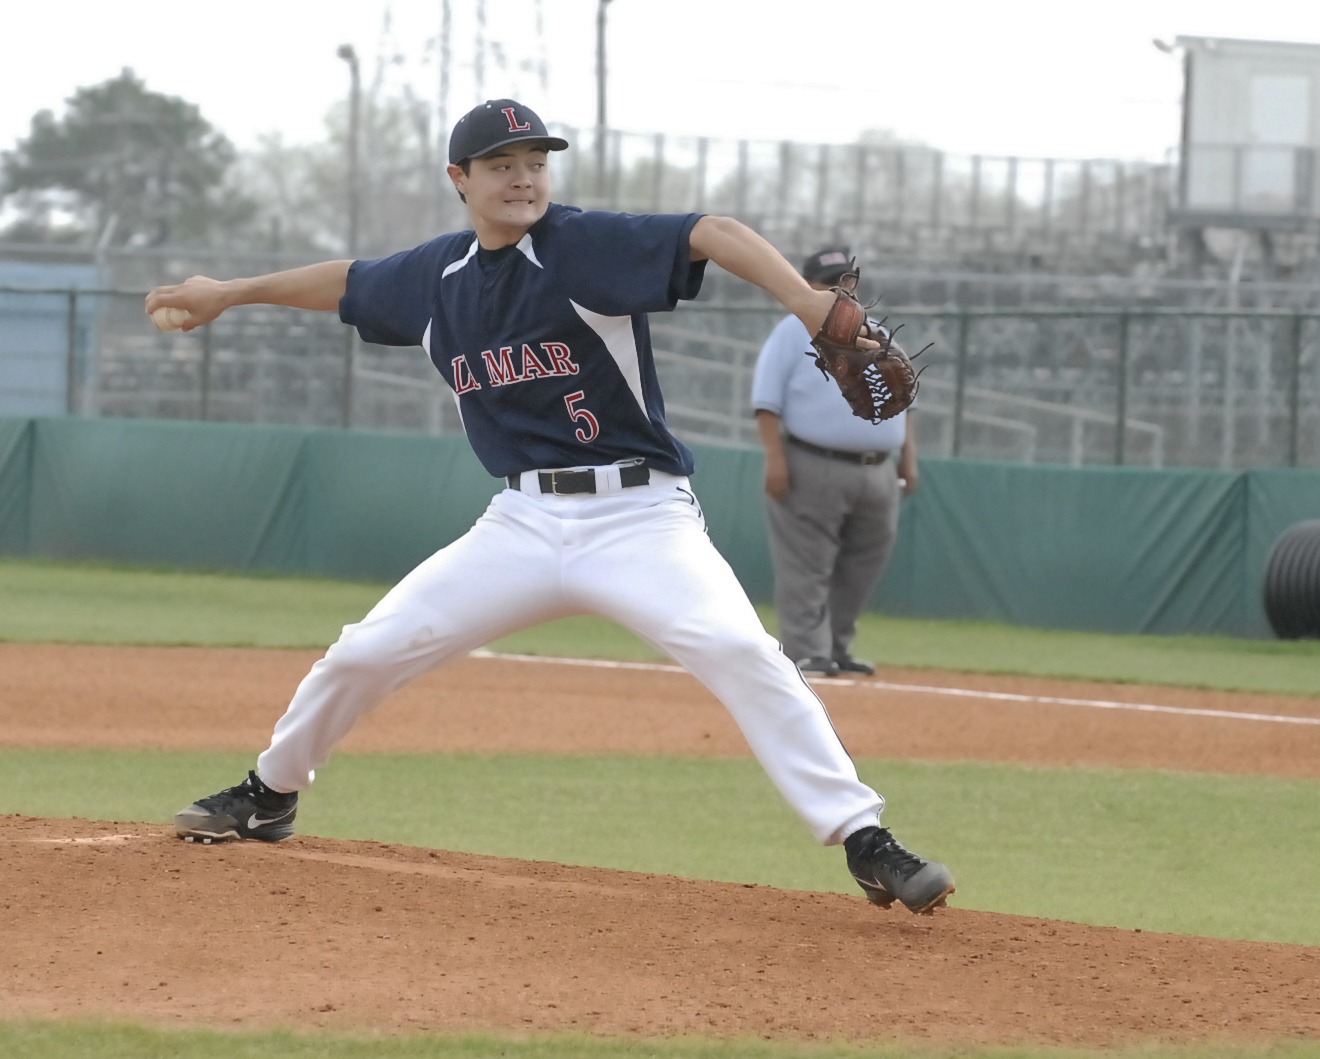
{"x": 1147, "y": 387}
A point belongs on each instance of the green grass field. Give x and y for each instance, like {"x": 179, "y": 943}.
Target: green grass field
{"x": 96, "y": 604}
{"x": 1176, "y": 851}
{"x": 43, "y": 1040}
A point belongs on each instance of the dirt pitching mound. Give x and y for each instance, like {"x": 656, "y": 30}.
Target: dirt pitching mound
{"x": 121, "y": 920}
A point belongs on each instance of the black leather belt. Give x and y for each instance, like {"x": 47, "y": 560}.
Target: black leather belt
{"x": 565, "y": 483}
{"x": 866, "y": 459}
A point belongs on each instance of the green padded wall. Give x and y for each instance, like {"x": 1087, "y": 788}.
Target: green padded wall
{"x": 1096, "y": 548}
{"x": 1112, "y": 549}
{"x": 377, "y": 505}
{"x": 205, "y": 495}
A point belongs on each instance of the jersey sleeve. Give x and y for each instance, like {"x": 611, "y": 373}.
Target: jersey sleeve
{"x": 388, "y": 299}
{"x": 622, "y": 263}
{"x": 775, "y": 362}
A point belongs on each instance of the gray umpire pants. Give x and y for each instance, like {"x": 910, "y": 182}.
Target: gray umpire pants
{"x": 830, "y": 540}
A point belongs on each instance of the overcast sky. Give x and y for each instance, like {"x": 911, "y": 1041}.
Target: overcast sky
{"x": 1026, "y": 77}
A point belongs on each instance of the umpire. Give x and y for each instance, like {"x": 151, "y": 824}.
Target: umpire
{"x": 833, "y": 485}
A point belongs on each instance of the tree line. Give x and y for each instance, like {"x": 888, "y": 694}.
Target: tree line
{"x": 125, "y": 166}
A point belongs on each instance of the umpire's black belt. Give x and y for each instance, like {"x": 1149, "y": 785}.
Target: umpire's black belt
{"x": 566, "y": 483}
{"x": 865, "y": 458}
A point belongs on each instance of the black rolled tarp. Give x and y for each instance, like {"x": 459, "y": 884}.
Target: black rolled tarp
{"x": 1292, "y": 582}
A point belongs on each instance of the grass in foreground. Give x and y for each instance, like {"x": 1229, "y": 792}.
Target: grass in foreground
{"x": 1157, "y": 851}
{"x": 49, "y": 602}
{"x": 91, "y": 1040}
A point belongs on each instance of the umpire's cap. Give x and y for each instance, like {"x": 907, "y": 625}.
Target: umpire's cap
{"x": 827, "y": 265}
{"x": 496, "y": 123}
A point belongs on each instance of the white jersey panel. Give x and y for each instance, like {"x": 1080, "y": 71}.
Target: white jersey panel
{"x": 616, "y": 332}
{"x": 456, "y": 265}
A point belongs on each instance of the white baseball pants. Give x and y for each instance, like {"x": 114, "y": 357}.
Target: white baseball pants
{"x": 639, "y": 556}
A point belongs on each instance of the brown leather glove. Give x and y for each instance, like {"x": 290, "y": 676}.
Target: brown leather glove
{"x": 877, "y": 383}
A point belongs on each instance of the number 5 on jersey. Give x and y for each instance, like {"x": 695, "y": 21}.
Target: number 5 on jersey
{"x": 588, "y": 426}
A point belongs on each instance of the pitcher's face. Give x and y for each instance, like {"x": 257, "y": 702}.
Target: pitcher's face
{"x": 507, "y": 191}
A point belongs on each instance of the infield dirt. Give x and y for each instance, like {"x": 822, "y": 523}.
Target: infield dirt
{"x": 121, "y": 920}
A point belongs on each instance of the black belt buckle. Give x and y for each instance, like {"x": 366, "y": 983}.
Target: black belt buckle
{"x": 567, "y": 483}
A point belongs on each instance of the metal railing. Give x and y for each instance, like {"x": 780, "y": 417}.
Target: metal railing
{"x": 1151, "y": 387}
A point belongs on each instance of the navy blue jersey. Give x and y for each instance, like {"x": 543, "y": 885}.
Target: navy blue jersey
{"x": 546, "y": 344}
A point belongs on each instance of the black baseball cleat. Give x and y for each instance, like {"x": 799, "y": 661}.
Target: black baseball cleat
{"x": 826, "y": 667}
{"x": 250, "y": 810}
{"x": 887, "y": 872}
{"x": 849, "y": 664}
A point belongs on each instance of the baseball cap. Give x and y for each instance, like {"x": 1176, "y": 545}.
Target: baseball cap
{"x": 495, "y": 123}
{"x": 827, "y": 265}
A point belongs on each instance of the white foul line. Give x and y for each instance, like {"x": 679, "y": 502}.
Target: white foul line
{"x": 922, "y": 689}
{"x": 1099, "y": 704}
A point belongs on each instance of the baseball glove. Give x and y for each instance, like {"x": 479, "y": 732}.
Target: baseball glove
{"x": 877, "y": 383}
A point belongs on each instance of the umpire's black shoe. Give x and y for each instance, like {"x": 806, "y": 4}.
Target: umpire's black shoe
{"x": 250, "y": 810}
{"x": 826, "y": 667}
{"x": 887, "y": 872}
{"x": 849, "y": 664}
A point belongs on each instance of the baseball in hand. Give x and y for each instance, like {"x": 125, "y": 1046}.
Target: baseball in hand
{"x": 168, "y": 318}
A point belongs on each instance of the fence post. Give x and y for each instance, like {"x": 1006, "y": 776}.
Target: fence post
{"x": 1084, "y": 195}
{"x": 937, "y": 192}
{"x": 1120, "y": 417}
{"x": 974, "y": 198}
{"x": 1011, "y": 196}
{"x": 205, "y": 381}
{"x": 1295, "y": 389}
{"x": 785, "y": 181}
{"x": 959, "y": 382}
{"x": 71, "y": 355}
{"x": 743, "y": 170}
{"x": 1120, "y": 198}
{"x": 350, "y": 365}
{"x": 703, "y": 164}
{"x": 657, "y": 172}
{"x": 1047, "y": 199}
{"x": 859, "y": 200}
{"x": 822, "y": 179}
{"x": 900, "y": 187}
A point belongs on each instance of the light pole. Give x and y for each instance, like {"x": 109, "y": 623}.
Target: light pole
{"x": 600, "y": 95}
{"x": 349, "y": 56}
{"x": 439, "y": 184}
